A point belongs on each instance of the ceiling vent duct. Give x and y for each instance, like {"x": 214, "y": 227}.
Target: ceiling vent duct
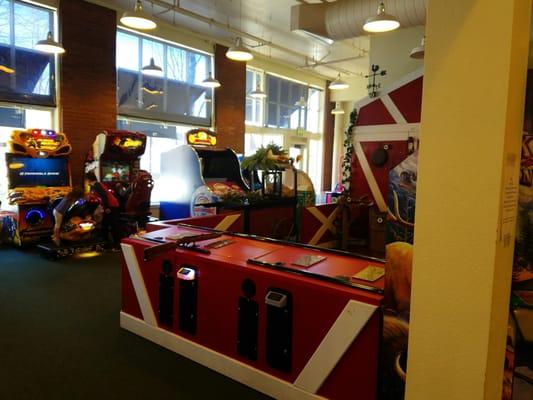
{"x": 344, "y": 19}
{"x": 310, "y": 20}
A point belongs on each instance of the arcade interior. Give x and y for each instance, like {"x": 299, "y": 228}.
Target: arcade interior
{"x": 251, "y": 199}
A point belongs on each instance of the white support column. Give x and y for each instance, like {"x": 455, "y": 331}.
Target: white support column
{"x": 472, "y": 116}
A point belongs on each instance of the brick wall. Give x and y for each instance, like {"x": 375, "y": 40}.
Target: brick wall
{"x": 88, "y": 77}
{"x": 230, "y": 100}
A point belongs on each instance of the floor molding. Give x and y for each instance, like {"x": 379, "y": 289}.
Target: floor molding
{"x": 220, "y": 363}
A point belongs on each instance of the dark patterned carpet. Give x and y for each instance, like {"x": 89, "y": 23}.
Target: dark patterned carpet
{"x": 60, "y": 338}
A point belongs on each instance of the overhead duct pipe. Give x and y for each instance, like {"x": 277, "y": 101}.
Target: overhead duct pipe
{"x": 344, "y": 19}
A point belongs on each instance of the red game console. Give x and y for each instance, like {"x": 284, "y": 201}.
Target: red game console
{"x": 289, "y": 321}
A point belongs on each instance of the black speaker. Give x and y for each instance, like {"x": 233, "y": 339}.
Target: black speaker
{"x": 188, "y": 299}
{"x": 279, "y": 329}
{"x": 166, "y": 294}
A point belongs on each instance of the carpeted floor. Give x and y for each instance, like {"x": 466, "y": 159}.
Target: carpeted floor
{"x": 60, "y": 338}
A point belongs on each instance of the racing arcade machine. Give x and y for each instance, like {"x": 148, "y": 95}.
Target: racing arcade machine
{"x": 198, "y": 174}
{"x": 115, "y": 159}
{"x": 38, "y": 174}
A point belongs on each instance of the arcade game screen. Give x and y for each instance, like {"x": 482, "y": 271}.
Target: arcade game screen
{"x": 115, "y": 172}
{"x": 30, "y": 172}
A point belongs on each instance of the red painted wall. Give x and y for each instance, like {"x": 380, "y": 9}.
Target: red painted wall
{"x": 408, "y": 99}
{"x": 397, "y": 153}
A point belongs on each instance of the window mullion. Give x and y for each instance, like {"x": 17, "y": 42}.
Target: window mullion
{"x": 140, "y": 83}
{"x": 13, "y": 80}
{"x": 165, "y": 77}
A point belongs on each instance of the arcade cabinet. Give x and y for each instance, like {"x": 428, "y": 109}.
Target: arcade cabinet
{"x": 38, "y": 174}
{"x": 291, "y": 321}
{"x": 198, "y": 173}
{"x": 115, "y": 159}
{"x": 78, "y": 232}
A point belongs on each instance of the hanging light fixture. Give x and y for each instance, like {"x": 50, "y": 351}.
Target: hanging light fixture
{"x": 138, "y": 19}
{"x": 338, "y": 109}
{"x": 239, "y": 52}
{"x": 301, "y": 103}
{"x": 152, "y": 69}
{"x": 418, "y": 51}
{"x": 210, "y": 82}
{"x": 6, "y": 69}
{"x": 49, "y": 45}
{"x": 258, "y": 93}
{"x": 338, "y": 84}
{"x": 382, "y": 22}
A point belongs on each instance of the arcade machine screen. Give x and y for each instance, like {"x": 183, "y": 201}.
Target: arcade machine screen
{"x": 115, "y": 172}
{"x": 31, "y": 172}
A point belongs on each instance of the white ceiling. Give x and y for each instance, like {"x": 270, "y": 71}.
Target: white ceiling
{"x": 267, "y": 22}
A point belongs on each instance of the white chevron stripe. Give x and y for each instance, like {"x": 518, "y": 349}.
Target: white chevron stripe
{"x": 338, "y": 339}
{"x": 236, "y": 370}
{"x": 227, "y": 222}
{"x": 138, "y": 284}
{"x": 370, "y": 178}
{"x": 393, "y": 109}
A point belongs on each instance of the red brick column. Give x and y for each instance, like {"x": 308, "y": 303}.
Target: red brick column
{"x": 329, "y": 137}
{"x": 88, "y": 76}
{"x": 230, "y": 110}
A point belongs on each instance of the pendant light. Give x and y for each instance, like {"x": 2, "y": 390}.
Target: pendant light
{"x": 49, "y": 45}
{"x": 6, "y": 69}
{"x": 258, "y": 93}
{"x": 418, "y": 51}
{"x": 152, "y": 69}
{"x": 301, "y": 103}
{"x": 382, "y": 22}
{"x": 338, "y": 109}
{"x": 338, "y": 84}
{"x": 138, "y": 19}
{"x": 210, "y": 82}
{"x": 239, "y": 52}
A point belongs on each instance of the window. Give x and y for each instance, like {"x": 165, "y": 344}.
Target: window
{"x": 314, "y": 111}
{"x": 12, "y": 118}
{"x": 26, "y": 75}
{"x": 253, "y": 141}
{"x": 287, "y": 103}
{"x": 177, "y": 96}
{"x": 161, "y": 137}
{"x": 254, "y": 106}
{"x": 315, "y": 168}
{"x": 290, "y": 106}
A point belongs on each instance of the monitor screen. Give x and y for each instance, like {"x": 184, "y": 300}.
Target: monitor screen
{"x": 115, "y": 172}
{"x": 30, "y": 172}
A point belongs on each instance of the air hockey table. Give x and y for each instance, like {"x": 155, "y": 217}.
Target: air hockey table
{"x": 291, "y": 321}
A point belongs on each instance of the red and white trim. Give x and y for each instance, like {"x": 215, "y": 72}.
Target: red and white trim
{"x": 349, "y": 323}
{"x": 393, "y": 109}
{"x": 339, "y": 338}
{"x": 236, "y": 370}
{"x": 137, "y": 280}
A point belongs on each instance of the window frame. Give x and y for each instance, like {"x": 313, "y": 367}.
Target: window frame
{"x": 179, "y": 119}
{"x": 279, "y": 102}
{"x": 257, "y": 120}
{"x": 12, "y": 96}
